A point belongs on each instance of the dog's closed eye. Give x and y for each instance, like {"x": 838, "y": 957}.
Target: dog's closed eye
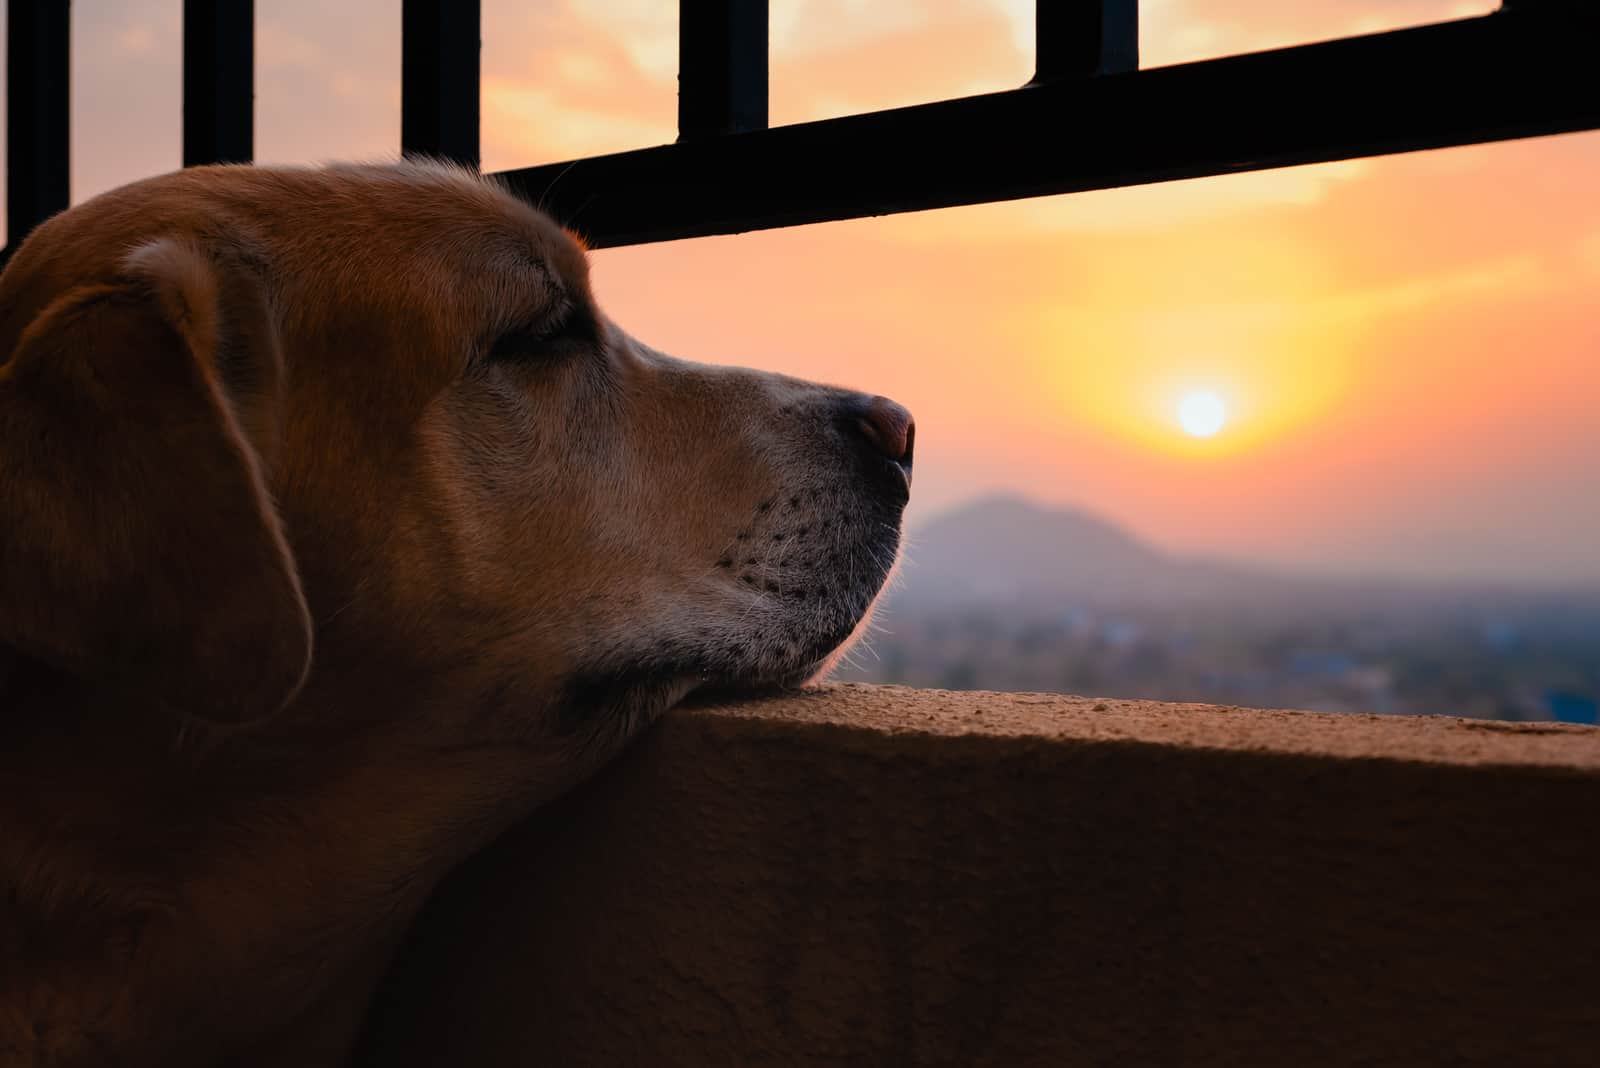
{"x": 547, "y": 337}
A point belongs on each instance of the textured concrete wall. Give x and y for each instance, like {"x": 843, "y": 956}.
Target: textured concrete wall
{"x": 894, "y": 877}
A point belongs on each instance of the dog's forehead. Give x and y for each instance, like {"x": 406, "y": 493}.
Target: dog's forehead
{"x": 512, "y": 234}
{"x": 521, "y": 257}
{"x": 417, "y": 249}
{"x": 507, "y": 259}
{"x": 427, "y": 252}
{"x": 452, "y": 216}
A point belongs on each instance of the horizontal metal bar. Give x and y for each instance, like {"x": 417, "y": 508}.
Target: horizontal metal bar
{"x": 1506, "y": 75}
{"x": 1080, "y": 38}
{"x": 439, "y": 79}
{"x": 38, "y": 74}
{"x": 218, "y": 81}
{"x": 722, "y": 67}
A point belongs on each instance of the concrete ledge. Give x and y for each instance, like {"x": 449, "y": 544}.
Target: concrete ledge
{"x": 899, "y": 877}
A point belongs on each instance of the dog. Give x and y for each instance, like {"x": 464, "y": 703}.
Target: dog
{"x": 339, "y": 529}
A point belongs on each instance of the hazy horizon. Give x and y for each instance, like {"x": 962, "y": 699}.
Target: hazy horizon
{"x": 1350, "y": 571}
{"x": 1406, "y": 346}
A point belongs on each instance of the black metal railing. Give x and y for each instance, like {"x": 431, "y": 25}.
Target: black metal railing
{"x": 1089, "y": 118}
{"x": 38, "y": 76}
{"x": 219, "y": 84}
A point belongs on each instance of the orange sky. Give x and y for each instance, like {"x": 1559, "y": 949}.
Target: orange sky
{"x": 1409, "y": 347}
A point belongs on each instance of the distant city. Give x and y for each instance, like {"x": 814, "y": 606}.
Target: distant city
{"x": 1004, "y": 594}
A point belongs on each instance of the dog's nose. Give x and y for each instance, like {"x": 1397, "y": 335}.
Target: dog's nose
{"x": 889, "y": 428}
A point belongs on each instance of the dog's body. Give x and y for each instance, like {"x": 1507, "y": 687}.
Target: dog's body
{"x": 340, "y": 530}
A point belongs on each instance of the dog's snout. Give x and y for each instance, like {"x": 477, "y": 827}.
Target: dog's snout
{"x": 888, "y": 428}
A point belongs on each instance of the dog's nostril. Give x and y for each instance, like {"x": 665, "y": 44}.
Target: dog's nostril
{"x": 889, "y": 428}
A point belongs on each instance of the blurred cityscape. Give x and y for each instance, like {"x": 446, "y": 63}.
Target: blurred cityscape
{"x": 1007, "y": 595}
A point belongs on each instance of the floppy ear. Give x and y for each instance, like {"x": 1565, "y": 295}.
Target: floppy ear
{"x": 138, "y": 543}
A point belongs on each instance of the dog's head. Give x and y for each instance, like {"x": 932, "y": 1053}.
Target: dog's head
{"x": 360, "y": 438}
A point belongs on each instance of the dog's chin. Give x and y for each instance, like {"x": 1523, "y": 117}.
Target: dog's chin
{"x": 613, "y": 703}
{"x": 698, "y": 662}
{"x": 712, "y": 690}
{"x": 808, "y": 667}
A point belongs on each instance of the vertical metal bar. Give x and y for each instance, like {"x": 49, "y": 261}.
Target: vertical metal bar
{"x": 439, "y": 79}
{"x": 38, "y": 77}
{"x": 722, "y": 67}
{"x": 218, "y": 81}
{"x": 1081, "y": 38}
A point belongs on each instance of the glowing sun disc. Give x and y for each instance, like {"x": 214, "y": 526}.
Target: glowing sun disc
{"x": 1201, "y": 413}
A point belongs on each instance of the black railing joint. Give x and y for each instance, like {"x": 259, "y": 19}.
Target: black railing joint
{"x": 722, "y": 67}
{"x": 1082, "y": 38}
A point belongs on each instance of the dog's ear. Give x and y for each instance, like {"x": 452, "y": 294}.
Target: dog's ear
{"x": 139, "y": 545}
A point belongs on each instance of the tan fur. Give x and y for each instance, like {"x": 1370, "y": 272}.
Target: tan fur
{"x": 334, "y": 541}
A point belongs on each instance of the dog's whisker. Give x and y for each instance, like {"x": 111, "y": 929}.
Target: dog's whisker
{"x": 544, "y": 194}
{"x": 337, "y": 612}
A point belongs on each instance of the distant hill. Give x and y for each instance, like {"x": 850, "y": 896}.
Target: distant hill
{"x": 1006, "y": 594}
{"x": 1010, "y": 548}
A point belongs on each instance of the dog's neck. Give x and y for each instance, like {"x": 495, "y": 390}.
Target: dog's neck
{"x": 261, "y": 851}
{"x": 9, "y": 667}
{"x": 15, "y": 676}
{"x": 27, "y": 687}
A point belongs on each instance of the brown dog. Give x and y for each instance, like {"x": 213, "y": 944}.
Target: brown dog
{"x": 339, "y": 529}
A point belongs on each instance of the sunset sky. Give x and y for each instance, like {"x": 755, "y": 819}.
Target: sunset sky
{"x": 1407, "y": 349}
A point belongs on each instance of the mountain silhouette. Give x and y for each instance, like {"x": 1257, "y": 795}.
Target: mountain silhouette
{"x": 1009, "y": 548}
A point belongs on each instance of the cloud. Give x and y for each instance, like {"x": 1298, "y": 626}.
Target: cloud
{"x": 327, "y": 80}
{"x": 1500, "y": 280}
{"x": 278, "y": 48}
{"x": 845, "y": 57}
{"x": 525, "y": 124}
{"x": 136, "y": 40}
{"x": 1181, "y": 31}
{"x": 1143, "y": 208}
{"x": 646, "y": 30}
{"x": 574, "y": 78}
{"x": 1589, "y": 252}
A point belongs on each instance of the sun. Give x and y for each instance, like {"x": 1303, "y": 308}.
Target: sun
{"x": 1201, "y": 413}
